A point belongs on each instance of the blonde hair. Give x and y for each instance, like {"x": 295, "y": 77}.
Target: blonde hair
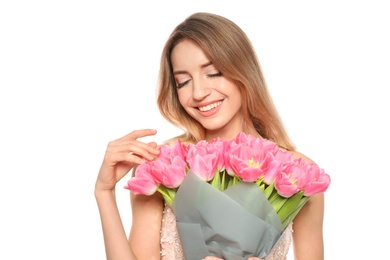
{"x": 232, "y": 53}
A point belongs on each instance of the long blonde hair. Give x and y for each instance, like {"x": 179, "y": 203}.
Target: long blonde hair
{"x": 232, "y": 53}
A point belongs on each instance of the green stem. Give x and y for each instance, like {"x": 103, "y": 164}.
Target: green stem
{"x": 216, "y": 180}
{"x": 168, "y": 196}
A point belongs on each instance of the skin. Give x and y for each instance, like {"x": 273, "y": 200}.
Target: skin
{"x": 199, "y": 85}
{"x": 121, "y": 156}
{"x": 202, "y": 85}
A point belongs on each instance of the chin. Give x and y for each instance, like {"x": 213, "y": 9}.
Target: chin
{"x": 214, "y": 127}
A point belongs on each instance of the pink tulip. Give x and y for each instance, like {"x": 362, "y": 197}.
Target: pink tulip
{"x": 143, "y": 182}
{"x": 291, "y": 180}
{"x": 317, "y": 181}
{"x": 203, "y": 159}
{"x": 249, "y": 157}
{"x": 219, "y": 146}
{"x": 279, "y": 161}
{"x": 178, "y": 149}
{"x": 170, "y": 175}
{"x": 169, "y": 168}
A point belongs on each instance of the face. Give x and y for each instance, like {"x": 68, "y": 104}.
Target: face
{"x": 210, "y": 98}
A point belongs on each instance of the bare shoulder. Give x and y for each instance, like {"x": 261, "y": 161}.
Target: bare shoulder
{"x": 298, "y": 155}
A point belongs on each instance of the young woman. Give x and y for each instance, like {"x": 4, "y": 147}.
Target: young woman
{"x": 210, "y": 85}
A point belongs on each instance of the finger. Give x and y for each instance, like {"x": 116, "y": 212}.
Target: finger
{"x": 141, "y": 156}
{"x": 153, "y": 144}
{"x": 133, "y": 154}
{"x": 137, "y": 134}
{"x": 148, "y": 151}
{"x": 140, "y": 133}
{"x": 132, "y": 144}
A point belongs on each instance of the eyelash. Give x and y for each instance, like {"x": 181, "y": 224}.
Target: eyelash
{"x": 180, "y": 85}
{"x": 219, "y": 74}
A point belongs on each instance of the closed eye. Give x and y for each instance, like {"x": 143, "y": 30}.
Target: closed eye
{"x": 182, "y": 84}
{"x": 219, "y": 74}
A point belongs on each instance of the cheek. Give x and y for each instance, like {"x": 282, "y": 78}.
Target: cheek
{"x": 183, "y": 97}
{"x": 236, "y": 97}
{"x": 233, "y": 91}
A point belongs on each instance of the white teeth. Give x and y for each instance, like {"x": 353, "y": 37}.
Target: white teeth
{"x": 209, "y": 107}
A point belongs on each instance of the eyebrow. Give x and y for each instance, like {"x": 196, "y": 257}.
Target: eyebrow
{"x": 186, "y": 72}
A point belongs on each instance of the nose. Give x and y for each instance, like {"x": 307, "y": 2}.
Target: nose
{"x": 200, "y": 90}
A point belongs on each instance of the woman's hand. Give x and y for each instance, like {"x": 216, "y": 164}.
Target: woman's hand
{"x": 217, "y": 258}
{"x": 122, "y": 155}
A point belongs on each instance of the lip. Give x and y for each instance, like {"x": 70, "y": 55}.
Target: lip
{"x": 212, "y": 111}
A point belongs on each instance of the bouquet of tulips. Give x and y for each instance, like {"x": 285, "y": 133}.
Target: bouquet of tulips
{"x": 248, "y": 178}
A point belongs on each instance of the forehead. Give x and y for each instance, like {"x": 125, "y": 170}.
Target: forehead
{"x": 187, "y": 54}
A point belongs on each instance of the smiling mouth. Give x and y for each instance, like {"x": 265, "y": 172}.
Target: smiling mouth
{"x": 210, "y": 107}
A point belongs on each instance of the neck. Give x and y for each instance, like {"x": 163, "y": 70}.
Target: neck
{"x": 230, "y": 134}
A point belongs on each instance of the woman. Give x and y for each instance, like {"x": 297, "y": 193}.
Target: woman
{"x": 210, "y": 85}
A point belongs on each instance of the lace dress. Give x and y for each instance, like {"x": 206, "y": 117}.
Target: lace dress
{"x": 171, "y": 248}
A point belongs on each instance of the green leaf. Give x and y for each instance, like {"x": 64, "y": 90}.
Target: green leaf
{"x": 259, "y": 181}
{"x": 230, "y": 183}
{"x": 236, "y": 180}
{"x": 223, "y": 181}
{"x": 262, "y": 187}
{"x": 268, "y": 191}
{"x": 295, "y": 212}
{"x": 168, "y": 194}
{"x": 226, "y": 180}
{"x": 216, "y": 181}
{"x": 274, "y": 195}
{"x": 278, "y": 202}
{"x": 290, "y": 206}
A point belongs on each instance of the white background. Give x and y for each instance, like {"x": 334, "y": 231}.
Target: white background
{"x": 75, "y": 75}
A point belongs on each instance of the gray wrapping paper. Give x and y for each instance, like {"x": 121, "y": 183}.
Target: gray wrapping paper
{"x": 234, "y": 224}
